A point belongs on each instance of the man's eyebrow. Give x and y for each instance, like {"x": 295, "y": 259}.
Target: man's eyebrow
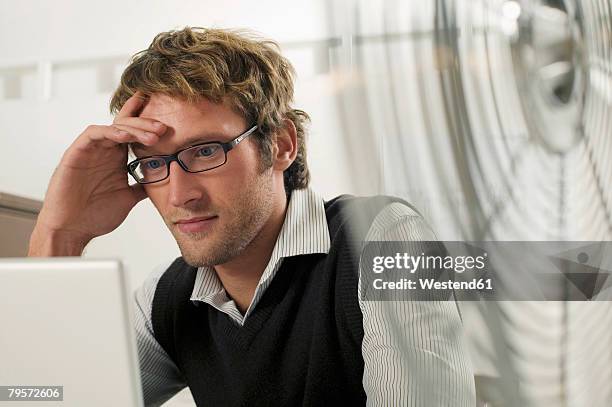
{"x": 199, "y": 139}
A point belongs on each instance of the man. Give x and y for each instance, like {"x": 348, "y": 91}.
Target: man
{"x": 262, "y": 308}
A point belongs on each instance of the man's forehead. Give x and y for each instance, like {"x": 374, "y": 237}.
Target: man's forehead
{"x": 159, "y": 105}
{"x": 174, "y": 109}
{"x": 188, "y": 123}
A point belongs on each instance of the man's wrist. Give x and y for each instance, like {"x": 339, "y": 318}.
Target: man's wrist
{"x": 52, "y": 243}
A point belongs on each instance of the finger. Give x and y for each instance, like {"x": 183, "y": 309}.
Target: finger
{"x": 107, "y": 136}
{"x": 139, "y": 192}
{"x": 132, "y": 106}
{"x": 142, "y": 136}
{"x": 145, "y": 124}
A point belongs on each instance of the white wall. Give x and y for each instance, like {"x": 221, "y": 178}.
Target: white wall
{"x": 69, "y": 29}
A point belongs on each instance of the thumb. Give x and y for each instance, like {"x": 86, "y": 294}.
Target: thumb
{"x": 138, "y": 192}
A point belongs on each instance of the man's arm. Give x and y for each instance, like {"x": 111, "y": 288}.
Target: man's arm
{"x": 160, "y": 377}
{"x": 414, "y": 351}
{"x": 89, "y": 194}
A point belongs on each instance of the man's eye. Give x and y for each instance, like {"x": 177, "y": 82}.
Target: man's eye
{"x": 153, "y": 164}
{"x": 207, "y": 151}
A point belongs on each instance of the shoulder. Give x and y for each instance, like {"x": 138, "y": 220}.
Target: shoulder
{"x": 379, "y": 217}
{"x": 401, "y": 222}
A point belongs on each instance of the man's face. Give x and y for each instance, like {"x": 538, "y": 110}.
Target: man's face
{"x": 213, "y": 215}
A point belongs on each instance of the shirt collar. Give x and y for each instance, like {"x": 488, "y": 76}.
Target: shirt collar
{"x": 305, "y": 229}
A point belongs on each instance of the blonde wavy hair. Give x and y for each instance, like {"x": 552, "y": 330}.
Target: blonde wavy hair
{"x": 214, "y": 64}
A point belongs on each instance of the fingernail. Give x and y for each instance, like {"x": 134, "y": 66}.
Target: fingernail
{"x": 122, "y": 133}
{"x": 150, "y": 136}
{"x": 158, "y": 124}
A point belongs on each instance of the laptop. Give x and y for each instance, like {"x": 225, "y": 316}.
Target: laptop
{"x": 66, "y": 334}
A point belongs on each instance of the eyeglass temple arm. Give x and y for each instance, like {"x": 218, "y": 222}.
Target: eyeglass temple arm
{"x": 241, "y": 137}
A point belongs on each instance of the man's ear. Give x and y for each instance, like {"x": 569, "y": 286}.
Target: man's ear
{"x": 285, "y": 146}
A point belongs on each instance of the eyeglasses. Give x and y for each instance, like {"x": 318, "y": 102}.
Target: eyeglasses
{"x": 197, "y": 158}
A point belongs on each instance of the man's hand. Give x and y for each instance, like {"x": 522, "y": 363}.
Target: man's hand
{"x": 89, "y": 194}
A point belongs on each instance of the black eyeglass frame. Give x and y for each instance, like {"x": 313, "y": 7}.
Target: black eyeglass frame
{"x": 169, "y": 158}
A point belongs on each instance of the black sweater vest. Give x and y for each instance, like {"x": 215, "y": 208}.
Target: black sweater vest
{"x": 301, "y": 346}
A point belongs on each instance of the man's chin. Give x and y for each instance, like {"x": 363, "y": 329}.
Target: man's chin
{"x": 198, "y": 251}
{"x": 195, "y": 237}
{"x": 199, "y": 259}
{"x": 195, "y": 258}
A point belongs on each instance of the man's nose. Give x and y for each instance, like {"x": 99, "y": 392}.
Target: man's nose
{"x": 184, "y": 188}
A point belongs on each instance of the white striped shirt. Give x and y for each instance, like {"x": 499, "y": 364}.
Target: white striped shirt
{"x": 414, "y": 351}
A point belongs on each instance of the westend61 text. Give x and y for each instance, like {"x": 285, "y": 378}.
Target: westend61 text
{"x": 479, "y": 284}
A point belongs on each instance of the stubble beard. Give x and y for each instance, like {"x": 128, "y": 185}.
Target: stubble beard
{"x": 233, "y": 231}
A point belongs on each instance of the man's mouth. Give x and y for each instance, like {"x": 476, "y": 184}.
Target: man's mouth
{"x": 195, "y": 225}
